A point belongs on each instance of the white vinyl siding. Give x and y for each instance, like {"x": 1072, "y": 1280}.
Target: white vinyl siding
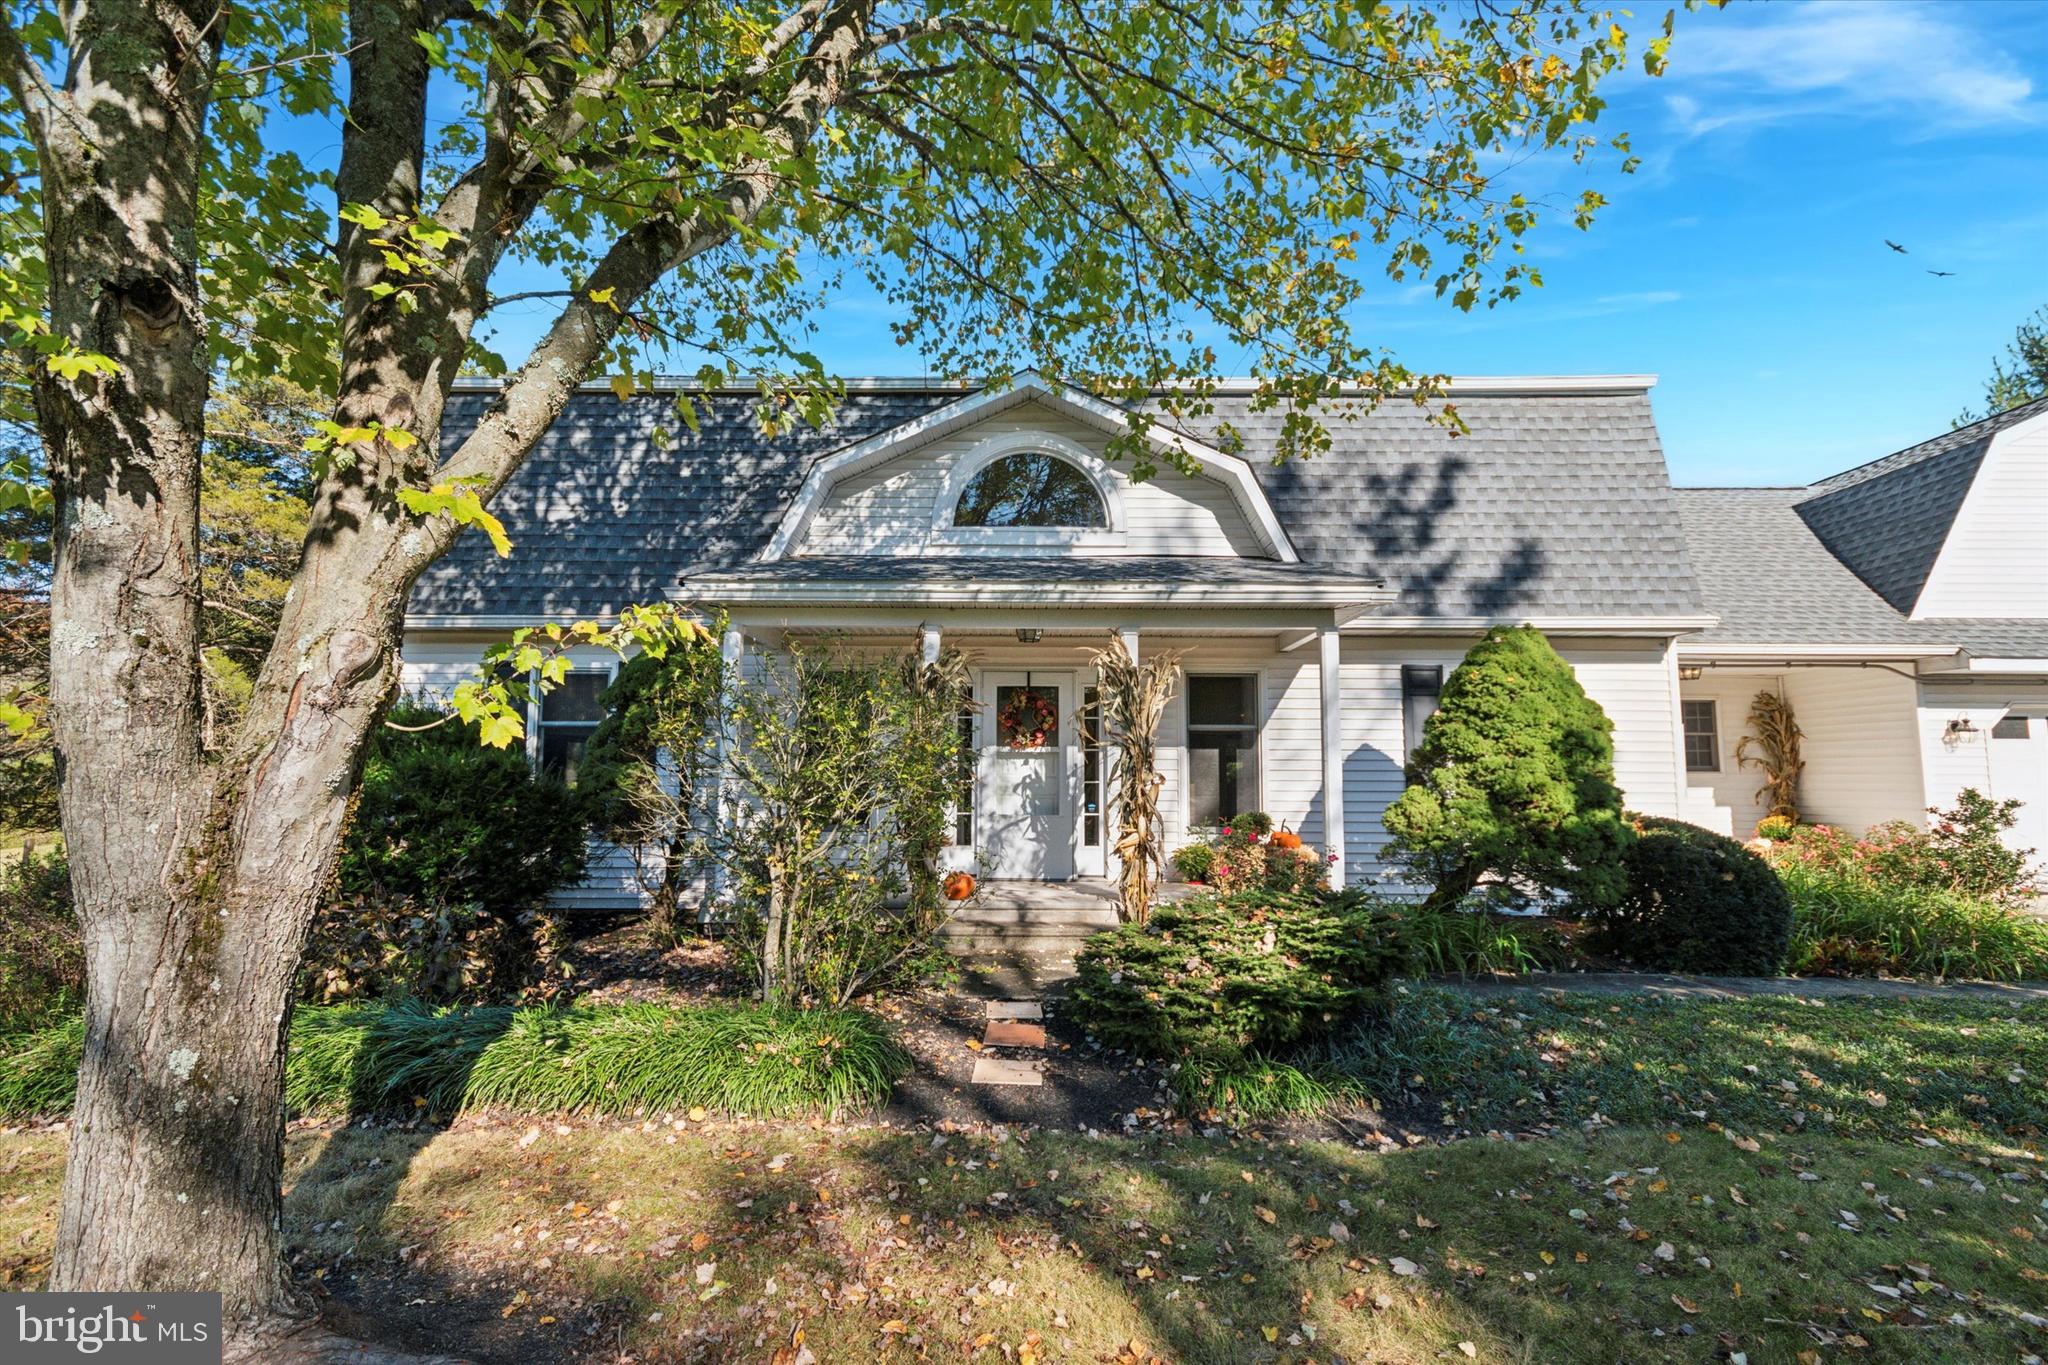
{"x": 1862, "y": 755}
{"x": 1630, "y": 680}
{"x": 1731, "y": 787}
{"x": 1995, "y": 560}
{"x": 2003, "y": 769}
{"x": 888, "y": 509}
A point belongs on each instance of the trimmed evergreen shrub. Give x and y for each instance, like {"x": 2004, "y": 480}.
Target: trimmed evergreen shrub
{"x": 1513, "y": 780}
{"x": 444, "y": 820}
{"x": 1215, "y": 978}
{"x": 1696, "y": 901}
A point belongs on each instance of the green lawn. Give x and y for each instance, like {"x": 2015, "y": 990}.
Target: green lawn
{"x": 1625, "y": 1245}
{"x": 1885, "y": 1068}
{"x": 1723, "y": 1213}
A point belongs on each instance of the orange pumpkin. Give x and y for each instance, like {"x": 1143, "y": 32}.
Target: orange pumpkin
{"x": 958, "y": 886}
{"x": 1286, "y": 838}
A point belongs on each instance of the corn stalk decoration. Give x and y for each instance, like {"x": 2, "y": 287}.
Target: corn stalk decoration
{"x": 1775, "y": 738}
{"x": 1134, "y": 697}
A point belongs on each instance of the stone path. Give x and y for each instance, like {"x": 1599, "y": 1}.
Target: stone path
{"x": 1013, "y": 1025}
{"x": 1733, "y": 987}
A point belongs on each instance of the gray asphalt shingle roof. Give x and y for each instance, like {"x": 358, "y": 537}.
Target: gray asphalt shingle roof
{"x": 1553, "y": 504}
{"x": 1887, "y": 520}
{"x": 1771, "y": 580}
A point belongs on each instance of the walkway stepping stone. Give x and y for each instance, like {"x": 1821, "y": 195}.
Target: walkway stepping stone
{"x": 1013, "y": 1033}
{"x": 1015, "y": 1009}
{"x": 998, "y": 1071}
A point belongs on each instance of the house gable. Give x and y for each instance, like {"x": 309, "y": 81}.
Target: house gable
{"x": 905, "y": 504}
{"x": 1994, "y": 561}
{"x": 894, "y": 494}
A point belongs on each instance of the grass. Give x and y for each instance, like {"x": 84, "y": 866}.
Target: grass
{"x": 1896, "y": 1069}
{"x": 1476, "y": 943}
{"x": 1769, "y": 1176}
{"x": 611, "y": 1240}
{"x": 613, "y": 1059}
{"x": 1856, "y": 926}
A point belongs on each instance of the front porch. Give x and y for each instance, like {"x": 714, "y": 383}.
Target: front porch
{"x": 1034, "y": 915}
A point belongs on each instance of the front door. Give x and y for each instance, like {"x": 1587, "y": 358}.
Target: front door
{"x": 1028, "y": 774}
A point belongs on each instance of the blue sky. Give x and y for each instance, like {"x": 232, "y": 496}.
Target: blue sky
{"x": 1745, "y": 262}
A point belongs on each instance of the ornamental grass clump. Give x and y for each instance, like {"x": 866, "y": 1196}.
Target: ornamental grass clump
{"x": 346, "y": 1059}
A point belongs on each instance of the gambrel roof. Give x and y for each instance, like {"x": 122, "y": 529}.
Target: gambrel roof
{"x": 1556, "y": 502}
{"x": 1844, "y": 561}
{"x": 1887, "y": 520}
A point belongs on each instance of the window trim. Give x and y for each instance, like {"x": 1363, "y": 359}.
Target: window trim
{"x": 1409, "y": 743}
{"x": 1686, "y": 735}
{"x": 944, "y": 532}
{"x": 536, "y": 705}
{"x": 1258, "y": 728}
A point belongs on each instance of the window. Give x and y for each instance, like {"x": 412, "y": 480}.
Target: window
{"x": 1421, "y": 685}
{"x": 1031, "y": 489}
{"x": 2011, "y": 727}
{"x": 963, "y": 799}
{"x": 1702, "y": 736}
{"x": 1223, "y": 748}
{"x": 569, "y": 715}
{"x": 1091, "y": 767}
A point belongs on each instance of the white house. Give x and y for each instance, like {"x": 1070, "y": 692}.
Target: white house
{"x": 1316, "y": 604}
{"x": 1902, "y": 609}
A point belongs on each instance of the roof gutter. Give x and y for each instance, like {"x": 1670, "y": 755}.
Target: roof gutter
{"x": 1338, "y": 595}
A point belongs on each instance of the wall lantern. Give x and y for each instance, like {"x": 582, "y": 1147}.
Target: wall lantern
{"x": 1029, "y": 635}
{"x": 1690, "y": 672}
{"x": 1959, "y": 728}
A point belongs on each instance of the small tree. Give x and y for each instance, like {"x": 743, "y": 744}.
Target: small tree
{"x": 837, "y": 774}
{"x": 1514, "y": 779}
{"x": 1134, "y": 697}
{"x": 646, "y": 772}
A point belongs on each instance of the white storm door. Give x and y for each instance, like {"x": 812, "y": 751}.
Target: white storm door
{"x": 1029, "y": 768}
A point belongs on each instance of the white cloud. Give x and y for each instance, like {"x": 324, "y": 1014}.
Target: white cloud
{"x": 1648, "y": 298}
{"x": 1760, "y": 65}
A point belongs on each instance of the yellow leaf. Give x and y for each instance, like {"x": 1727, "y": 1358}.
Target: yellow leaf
{"x": 1266, "y": 1215}
{"x": 697, "y": 1114}
{"x": 622, "y": 385}
{"x": 1270, "y": 1333}
{"x": 895, "y": 1327}
{"x": 604, "y": 296}
{"x": 1683, "y": 1302}
{"x": 985, "y": 1339}
{"x": 1548, "y": 1259}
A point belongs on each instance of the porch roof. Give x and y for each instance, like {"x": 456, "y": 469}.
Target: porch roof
{"x": 1165, "y": 579}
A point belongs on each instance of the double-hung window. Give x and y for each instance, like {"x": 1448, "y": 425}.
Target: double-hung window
{"x": 569, "y": 714}
{"x": 1702, "y": 735}
{"x": 1421, "y": 686}
{"x": 1223, "y": 747}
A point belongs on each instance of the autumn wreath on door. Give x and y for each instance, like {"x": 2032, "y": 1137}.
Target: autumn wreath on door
{"x": 1026, "y": 719}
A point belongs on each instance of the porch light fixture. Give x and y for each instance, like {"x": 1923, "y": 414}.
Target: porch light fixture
{"x": 1690, "y": 672}
{"x": 1029, "y": 635}
{"x": 1960, "y": 728}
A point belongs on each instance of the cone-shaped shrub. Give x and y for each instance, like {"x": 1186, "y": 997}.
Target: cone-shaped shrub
{"x": 1514, "y": 779}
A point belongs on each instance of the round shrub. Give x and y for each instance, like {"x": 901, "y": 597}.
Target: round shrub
{"x": 1696, "y": 901}
{"x": 1776, "y": 827}
{"x": 1213, "y": 978}
{"x": 1194, "y": 862}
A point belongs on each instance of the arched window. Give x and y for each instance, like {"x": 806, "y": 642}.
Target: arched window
{"x": 1031, "y": 489}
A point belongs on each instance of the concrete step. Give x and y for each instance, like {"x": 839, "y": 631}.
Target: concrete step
{"x": 1091, "y": 918}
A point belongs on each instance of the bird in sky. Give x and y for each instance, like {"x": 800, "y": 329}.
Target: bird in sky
{"x": 1941, "y": 274}
{"x": 1894, "y": 246}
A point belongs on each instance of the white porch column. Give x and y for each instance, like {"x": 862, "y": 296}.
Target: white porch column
{"x": 732, "y": 653}
{"x": 928, "y": 644}
{"x": 1333, "y": 756}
